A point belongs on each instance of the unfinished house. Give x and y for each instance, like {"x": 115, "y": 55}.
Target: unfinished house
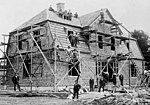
{"x": 39, "y": 49}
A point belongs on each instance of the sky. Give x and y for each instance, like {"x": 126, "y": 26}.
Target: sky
{"x": 133, "y": 14}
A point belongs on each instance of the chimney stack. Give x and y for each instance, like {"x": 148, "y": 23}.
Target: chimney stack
{"x": 60, "y": 7}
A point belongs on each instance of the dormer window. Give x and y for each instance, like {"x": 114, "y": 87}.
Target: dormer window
{"x": 65, "y": 15}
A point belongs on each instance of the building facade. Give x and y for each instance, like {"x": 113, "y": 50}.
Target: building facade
{"x": 38, "y": 49}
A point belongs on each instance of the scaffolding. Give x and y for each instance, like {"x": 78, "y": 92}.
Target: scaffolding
{"x": 114, "y": 34}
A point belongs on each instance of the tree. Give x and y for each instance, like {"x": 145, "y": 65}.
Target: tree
{"x": 142, "y": 39}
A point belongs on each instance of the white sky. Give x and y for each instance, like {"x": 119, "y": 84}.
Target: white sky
{"x": 134, "y": 14}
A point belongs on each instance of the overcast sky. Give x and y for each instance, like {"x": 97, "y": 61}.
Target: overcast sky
{"x": 133, "y": 14}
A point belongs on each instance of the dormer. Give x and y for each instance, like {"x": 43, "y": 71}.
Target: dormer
{"x": 64, "y": 14}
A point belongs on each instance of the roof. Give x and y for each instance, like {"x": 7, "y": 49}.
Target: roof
{"x": 87, "y": 19}
{"x": 136, "y": 52}
{"x": 44, "y": 15}
{"x": 82, "y": 21}
{"x": 48, "y": 15}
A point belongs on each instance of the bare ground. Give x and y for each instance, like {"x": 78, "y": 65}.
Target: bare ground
{"x": 8, "y": 100}
{"x": 138, "y": 97}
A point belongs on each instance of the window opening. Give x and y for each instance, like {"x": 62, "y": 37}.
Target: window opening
{"x": 133, "y": 70}
{"x": 112, "y": 43}
{"x": 20, "y": 42}
{"x": 73, "y": 38}
{"x": 37, "y": 38}
{"x": 27, "y": 62}
{"x": 100, "y": 43}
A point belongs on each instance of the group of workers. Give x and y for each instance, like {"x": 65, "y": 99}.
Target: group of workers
{"x": 73, "y": 38}
{"x": 103, "y": 80}
{"x": 71, "y": 54}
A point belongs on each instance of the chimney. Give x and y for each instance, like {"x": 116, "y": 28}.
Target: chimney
{"x": 60, "y": 7}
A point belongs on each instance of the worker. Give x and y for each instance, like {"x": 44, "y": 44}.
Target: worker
{"x": 69, "y": 15}
{"x": 69, "y": 52}
{"x": 58, "y": 52}
{"x": 75, "y": 39}
{"x": 106, "y": 78}
{"x": 121, "y": 77}
{"x": 15, "y": 80}
{"x": 75, "y": 55}
{"x": 71, "y": 39}
{"x": 76, "y": 89}
{"x": 50, "y": 8}
{"x": 102, "y": 16}
{"x": 91, "y": 83}
{"x": 101, "y": 84}
{"x": 114, "y": 78}
{"x": 76, "y": 15}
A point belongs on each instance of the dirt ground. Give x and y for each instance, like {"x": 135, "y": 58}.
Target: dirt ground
{"x": 8, "y": 100}
{"x": 140, "y": 96}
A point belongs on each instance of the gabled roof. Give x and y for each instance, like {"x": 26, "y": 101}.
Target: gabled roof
{"x": 87, "y": 19}
{"x": 51, "y": 16}
{"x": 44, "y": 15}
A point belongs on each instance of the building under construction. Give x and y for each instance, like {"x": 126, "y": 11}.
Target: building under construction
{"x": 56, "y": 47}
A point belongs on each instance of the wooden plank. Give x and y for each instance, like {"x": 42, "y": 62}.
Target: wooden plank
{"x": 65, "y": 45}
{"x": 62, "y": 26}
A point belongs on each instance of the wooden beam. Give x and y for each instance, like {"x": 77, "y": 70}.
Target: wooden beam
{"x": 102, "y": 42}
{"x": 109, "y": 22}
{"x": 123, "y": 38}
{"x": 5, "y": 35}
{"x": 91, "y": 31}
{"x": 105, "y": 34}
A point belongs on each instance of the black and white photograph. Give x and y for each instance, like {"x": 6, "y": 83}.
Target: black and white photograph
{"x": 74, "y": 52}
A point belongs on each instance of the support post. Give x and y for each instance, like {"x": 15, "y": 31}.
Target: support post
{"x": 31, "y": 57}
{"x": 80, "y": 67}
{"x": 55, "y": 62}
{"x": 96, "y": 57}
{"x": 55, "y": 67}
{"x": 17, "y": 55}
{"x": 129, "y": 63}
{"x": 4, "y": 62}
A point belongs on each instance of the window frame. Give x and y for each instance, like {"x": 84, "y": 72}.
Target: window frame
{"x": 100, "y": 66}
